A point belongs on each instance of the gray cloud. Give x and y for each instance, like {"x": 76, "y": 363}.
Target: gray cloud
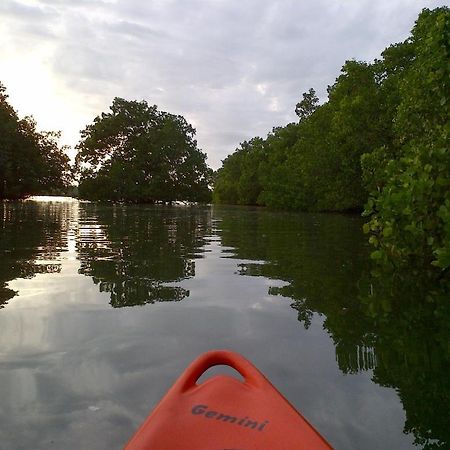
{"x": 233, "y": 68}
{"x": 13, "y": 9}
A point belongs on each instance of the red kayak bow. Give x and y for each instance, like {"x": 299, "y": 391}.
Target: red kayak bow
{"x": 224, "y": 413}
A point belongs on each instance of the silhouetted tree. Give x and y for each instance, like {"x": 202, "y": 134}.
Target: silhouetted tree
{"x": 31, "y": 162}
{"x": 139, "y": 154}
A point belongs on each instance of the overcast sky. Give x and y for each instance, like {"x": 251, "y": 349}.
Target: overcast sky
{"x": 233, "y": 68}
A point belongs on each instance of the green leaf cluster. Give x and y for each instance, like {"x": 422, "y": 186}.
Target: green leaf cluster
{"x": 135, "y": 153}
{"x": 409, "y": 207}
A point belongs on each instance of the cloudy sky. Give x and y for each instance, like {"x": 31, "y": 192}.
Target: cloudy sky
{"x": 233, "y": 68}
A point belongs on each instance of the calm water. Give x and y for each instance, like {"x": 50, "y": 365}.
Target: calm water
{"x": 102, "y": 307}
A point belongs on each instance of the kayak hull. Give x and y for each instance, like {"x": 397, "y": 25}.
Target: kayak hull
{"x": 225, "y": 413}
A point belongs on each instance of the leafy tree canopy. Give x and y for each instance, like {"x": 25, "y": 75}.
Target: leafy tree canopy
{"x": 139, "y": 154}
{"x": 307, "y": 105}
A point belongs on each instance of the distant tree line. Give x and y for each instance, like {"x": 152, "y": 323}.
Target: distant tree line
{"x": 379, "y": 143}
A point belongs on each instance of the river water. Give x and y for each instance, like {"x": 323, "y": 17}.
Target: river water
{"x": 103, "y": 306}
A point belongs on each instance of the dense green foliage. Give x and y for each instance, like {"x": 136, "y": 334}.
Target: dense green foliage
{"x": 30, "y": 161}
{"x": 410, "y": 202}
{"x": 314, "y": 164}
{"x": 139, "y": 154}
{"x": 382, "y": 134}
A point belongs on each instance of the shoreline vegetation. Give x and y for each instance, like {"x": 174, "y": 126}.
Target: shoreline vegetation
{"x": 377, "y": 145}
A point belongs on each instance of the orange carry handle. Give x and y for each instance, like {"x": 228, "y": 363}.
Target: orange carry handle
{"x": 252, "y": 376}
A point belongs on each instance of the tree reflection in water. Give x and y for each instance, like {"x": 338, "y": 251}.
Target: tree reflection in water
{"x": 137, "y": 253}
{"x": 32, "y": 236}
{"x": 410, "y": 319}
{"x": 397, "y": 325}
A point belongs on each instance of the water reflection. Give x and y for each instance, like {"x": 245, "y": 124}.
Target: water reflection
{"x": 410, "y": 321}
{"x": 399, "y": 327}
{"x": 320, "y": 260}
{"x": 71, "y": 365}
{"x": 32, "y": 236}
{"x": 136, "y": 253}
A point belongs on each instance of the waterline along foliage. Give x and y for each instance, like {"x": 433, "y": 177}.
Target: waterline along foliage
{"x": 378, "y": 144}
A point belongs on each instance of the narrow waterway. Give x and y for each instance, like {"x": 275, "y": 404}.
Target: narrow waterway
{"x": 102, "y": 307}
